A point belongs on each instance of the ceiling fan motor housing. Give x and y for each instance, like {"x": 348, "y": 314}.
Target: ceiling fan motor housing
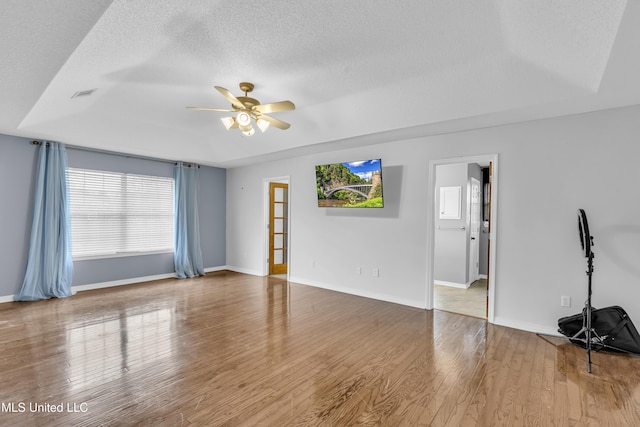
{"x": 248, "y": 102}
{"x": 246, "y": 87}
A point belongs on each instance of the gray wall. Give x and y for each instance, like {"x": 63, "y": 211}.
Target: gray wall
{"x": 17, "y": 169}
{"x": 212, "y": 209}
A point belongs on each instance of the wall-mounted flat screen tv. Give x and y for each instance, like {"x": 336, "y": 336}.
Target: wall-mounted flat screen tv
{"x": 350, "y": 185}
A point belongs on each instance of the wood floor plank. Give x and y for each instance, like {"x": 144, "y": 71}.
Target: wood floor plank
{"x": 230, "y": 349}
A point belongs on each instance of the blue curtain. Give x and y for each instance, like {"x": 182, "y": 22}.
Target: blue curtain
{"x": 187, "y": 256}
{"x": 49, "y": 265}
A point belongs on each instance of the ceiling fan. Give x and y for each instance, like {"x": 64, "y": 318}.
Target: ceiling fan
{"x": 247, "y": 108}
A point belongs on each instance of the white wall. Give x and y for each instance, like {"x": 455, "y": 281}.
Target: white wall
{"x": 548, "y": 169}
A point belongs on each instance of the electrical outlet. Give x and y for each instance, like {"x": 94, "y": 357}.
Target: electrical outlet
{"x": 358, "y": 271}
{"x": 376, "y": 272}
{"x": 565, "y": 301}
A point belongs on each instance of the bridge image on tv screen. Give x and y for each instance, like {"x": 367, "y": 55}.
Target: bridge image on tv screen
{"x": 350, "y": 185}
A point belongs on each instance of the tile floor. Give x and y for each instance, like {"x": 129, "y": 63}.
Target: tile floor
{"x": 471, "y": 301}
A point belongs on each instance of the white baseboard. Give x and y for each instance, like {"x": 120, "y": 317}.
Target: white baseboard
{"x": 360, "y": 293}
{"x": 452, "y": 284}
{"x": 113, "y": 283}
{"x": 249, "y": 271}
{"x": 122, "y": 282}
{"x": 483, "y": 276}
{"x": 212, "y": 269}
{"x": 134, "y": 280}
{"x": 525, "y": 326}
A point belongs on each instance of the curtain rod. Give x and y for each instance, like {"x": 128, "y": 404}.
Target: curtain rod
{"x": 115, "y": 153}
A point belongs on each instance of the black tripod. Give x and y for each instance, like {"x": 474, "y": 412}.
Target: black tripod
{"x": 589, "y": 333}
{"x": 617, "y": 332}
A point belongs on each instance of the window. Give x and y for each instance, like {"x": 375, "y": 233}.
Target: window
{"x": 116, "y": 214}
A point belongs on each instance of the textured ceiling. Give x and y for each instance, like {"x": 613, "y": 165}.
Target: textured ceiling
{"x": 359, "y": 72}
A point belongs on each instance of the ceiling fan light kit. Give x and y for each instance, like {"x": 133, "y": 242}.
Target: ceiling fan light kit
{"x": 248, "y": 108}
{"x": 228, "y": 122}
{"x": 263, "y": 125}
{"x": 243, "y": 119}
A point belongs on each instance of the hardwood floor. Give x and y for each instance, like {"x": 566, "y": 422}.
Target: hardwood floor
{"x": 231, "y": 349}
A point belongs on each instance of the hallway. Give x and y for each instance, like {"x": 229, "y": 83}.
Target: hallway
{"x": 471, "y": 301}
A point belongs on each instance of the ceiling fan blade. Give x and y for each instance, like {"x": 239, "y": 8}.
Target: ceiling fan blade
{"x": 210, "y": 109}
{"x": 235, "y": 102}
{"x": 275, "y": 107}
{"x": 275, "y": 122}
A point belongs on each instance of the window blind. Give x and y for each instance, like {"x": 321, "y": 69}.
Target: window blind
{"x": 116, "y": 213}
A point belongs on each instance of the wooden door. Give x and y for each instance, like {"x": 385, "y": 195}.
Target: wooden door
{"x": 278, "y": 227}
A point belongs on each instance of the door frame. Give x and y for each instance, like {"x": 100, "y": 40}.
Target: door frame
{"x": 266, "y": 200}
{"x": 493, "y": 212}
{"x": 476, "y": 255}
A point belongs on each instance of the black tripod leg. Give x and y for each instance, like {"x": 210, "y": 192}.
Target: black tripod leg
{"x": 588, "y": 313}
{"x": 589, "y": 350}
{"x": 590, "y": 331}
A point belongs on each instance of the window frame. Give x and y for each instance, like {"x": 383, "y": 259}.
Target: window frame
{"x": 120, "y": 252}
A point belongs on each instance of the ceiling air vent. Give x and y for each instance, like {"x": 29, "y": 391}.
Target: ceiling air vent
{"x": 83, "y": 93}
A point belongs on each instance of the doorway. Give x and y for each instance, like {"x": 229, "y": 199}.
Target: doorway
{"x": 467, "y": 237}
{"x": 277, "y": 227}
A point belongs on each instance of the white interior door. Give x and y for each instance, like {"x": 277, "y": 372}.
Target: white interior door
{"x": 474, "y": 231}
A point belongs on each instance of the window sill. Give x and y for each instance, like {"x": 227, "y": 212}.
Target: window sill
{"x": 120, "y": 255}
